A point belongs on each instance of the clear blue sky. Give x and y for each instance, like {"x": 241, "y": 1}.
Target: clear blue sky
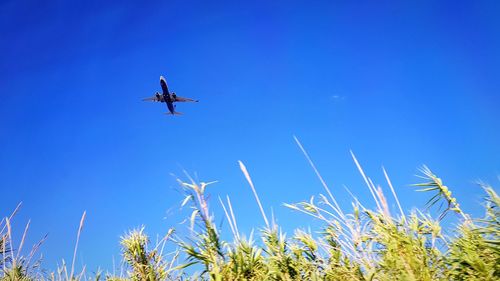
{"x": 401, "y": 83}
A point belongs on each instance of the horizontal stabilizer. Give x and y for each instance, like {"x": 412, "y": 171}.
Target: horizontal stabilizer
{"x": 175, "y": 113}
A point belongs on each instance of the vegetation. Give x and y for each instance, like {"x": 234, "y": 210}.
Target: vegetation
{"x": 363, "y": 244}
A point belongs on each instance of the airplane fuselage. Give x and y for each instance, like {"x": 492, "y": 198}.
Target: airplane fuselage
{"x": 168, "y": 100}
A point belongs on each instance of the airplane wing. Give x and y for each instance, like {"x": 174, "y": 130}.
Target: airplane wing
{"x": 181, "y": 99}
{"x": 153, "y": 98}
{"x": 164, "y": 86}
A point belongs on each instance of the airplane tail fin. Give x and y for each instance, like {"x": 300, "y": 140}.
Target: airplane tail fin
{"x": 175, "y": 113}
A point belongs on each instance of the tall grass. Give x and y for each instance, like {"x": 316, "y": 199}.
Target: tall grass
{"x": 356, "y": 244}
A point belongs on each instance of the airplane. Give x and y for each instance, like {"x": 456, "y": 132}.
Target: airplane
{"x": 168, "y": 98}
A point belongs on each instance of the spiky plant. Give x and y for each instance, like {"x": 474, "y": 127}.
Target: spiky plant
{"x": 16, "y": 273}
{"x": 145, "y": 264}
{"x": 206, "y": 246}
{"x": 245, "y": 261}
{"x": 363, "y": 244}
{"x": 475, "y": 253}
